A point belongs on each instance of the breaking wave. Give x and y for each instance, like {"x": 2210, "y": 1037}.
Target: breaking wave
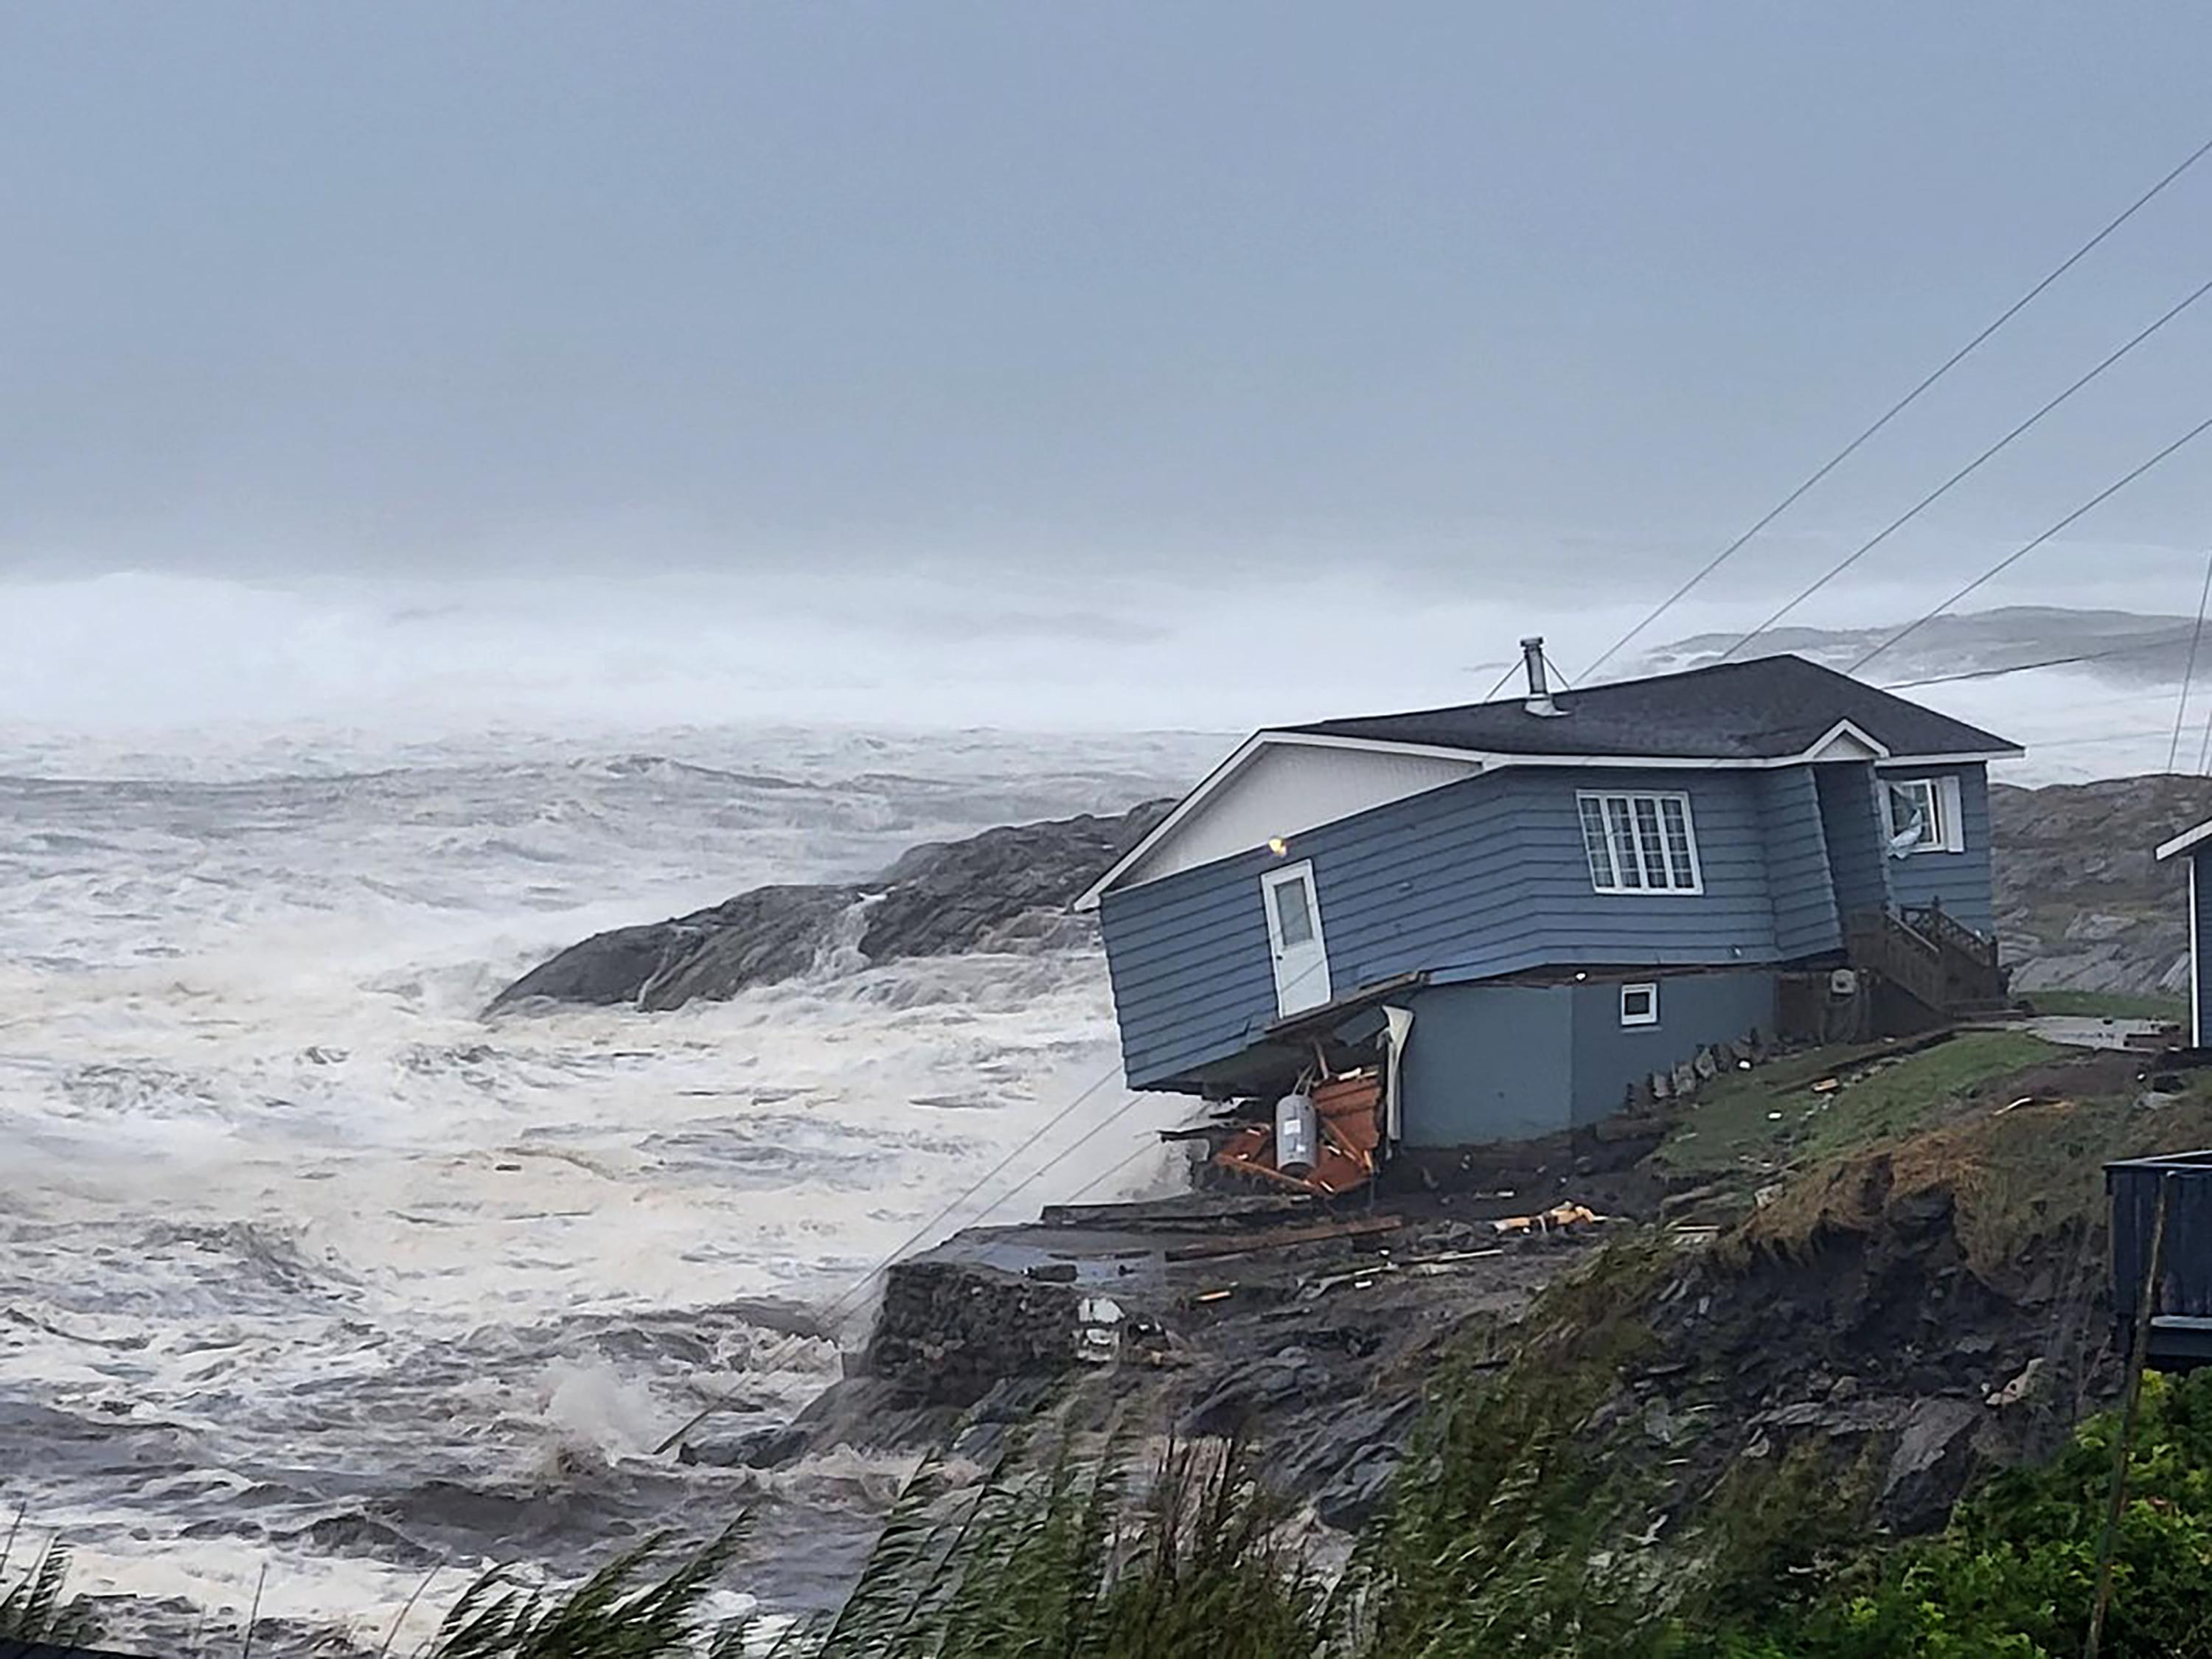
{"x": 302, "y": 1264}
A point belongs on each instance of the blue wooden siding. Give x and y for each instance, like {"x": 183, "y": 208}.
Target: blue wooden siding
{"x": 1192, "y": 970}
{"x": 1806, "y": 920}
{"x": 1851, "y": 814}
{"x": 1476, "y": 879}
{"x": 2200, "y": 939}
{"x": 1959, "y": 881}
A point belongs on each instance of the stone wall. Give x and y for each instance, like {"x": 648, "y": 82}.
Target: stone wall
{"x": 949, "y": 1330}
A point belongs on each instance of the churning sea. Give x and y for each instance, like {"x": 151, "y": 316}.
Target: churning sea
{"x": 308, "y": 1270}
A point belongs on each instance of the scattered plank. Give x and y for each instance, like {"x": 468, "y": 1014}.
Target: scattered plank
{"x": 1279, "y": 1238}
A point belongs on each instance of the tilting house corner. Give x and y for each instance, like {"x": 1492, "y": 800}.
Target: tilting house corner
{"x": 1537, "y": 916}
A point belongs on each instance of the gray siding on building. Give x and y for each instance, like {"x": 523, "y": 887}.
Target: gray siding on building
{"x": 1695, "y": 1011}
{"x": 1476, "y": 879}
{"x": 2200, "y": 937}
{"x": 1513, "y": 1062}
{"x": 1806, "y": 920}
{"x": 1850, "y": 814}
{"x": 1487, "y": 1062}
{"x": 1961, "y": 882}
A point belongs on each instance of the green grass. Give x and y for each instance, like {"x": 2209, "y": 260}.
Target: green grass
{"x": 1733, "y": 1127}
{"x": 2107, "y": 1005}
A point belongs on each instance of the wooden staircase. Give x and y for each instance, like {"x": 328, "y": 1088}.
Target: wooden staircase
{"x": 1948, "y": 969}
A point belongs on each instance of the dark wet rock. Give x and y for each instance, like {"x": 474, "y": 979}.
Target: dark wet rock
{"x": 1931, "y": 1464}
{"x": 1244, "y": 1398}
{"x": 745, "y": 1448}
{"x": 1355, "y": 1492}
{"x": 355, "y": 1533}
{"x": 1008, "y": 888}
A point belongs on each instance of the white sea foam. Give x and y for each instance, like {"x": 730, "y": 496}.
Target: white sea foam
{"x": 303, "y": 1263}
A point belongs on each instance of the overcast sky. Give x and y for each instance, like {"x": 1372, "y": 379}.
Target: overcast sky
{"x": 1543, "y": 303}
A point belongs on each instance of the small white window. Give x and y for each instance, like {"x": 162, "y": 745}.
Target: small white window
{"x": 1639, "y": 1005}
{"x": 1640, "y": 843}
{"x": 1922, "y": 815}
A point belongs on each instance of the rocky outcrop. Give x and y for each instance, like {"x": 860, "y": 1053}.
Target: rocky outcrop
{"x": 1006, "y": 887}
{"x": 2081, "y": 903}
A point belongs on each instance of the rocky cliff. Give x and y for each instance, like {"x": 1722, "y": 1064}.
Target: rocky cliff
{"x": 1005, "y": 887}
{"x": 2081, "y": 905}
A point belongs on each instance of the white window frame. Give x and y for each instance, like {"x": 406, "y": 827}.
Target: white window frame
{"x": 1623, "y": 841}
{"x": 1945, "y": 828}
{"x": 1649, "y": 990}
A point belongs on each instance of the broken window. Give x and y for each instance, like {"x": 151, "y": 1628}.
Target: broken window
{"x": 1640, "y": 842}
{"x": 1923, "y": 816}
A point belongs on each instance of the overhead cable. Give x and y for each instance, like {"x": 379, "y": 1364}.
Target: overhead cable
{"x": 2022, "y": 551}
{"x": 1901, "y": 406}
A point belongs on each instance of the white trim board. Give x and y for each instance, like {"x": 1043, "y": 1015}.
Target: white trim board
{"x": 2185, "y": 840}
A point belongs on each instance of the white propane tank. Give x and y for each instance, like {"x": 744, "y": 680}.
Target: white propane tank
{"x": 1297, "y": 1133}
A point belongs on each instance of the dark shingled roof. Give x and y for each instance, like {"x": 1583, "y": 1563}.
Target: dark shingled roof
{"x": 1760, "y": 709}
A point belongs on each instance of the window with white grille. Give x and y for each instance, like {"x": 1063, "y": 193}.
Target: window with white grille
{"x": 1640, "y": 843}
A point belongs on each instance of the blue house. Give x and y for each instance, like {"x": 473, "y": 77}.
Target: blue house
{"x": 2196, "y": 846}
{"x": 1526, "y": 909}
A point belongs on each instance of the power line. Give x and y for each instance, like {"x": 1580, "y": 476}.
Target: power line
{"x": 1899, "y": 406}
{"x": 1964, "y": 473}
{"x": 2021, "y": 552}
{"x": 2188, "y": 674}
{"x": 981, "y": 1182}
{"x": 835, "y": 1308}
{"x": 2151, "y": 643}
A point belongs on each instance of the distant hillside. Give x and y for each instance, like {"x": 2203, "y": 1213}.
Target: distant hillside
{"x": 2081, "y": 903}
{"x": 2125, "y": 646}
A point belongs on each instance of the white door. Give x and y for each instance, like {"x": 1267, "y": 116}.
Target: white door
{"x": 1294, "y": 934}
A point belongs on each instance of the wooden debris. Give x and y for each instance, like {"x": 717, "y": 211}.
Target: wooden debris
{"x": 1559, "y": 1216}
{"x": 1279, "y": 1238}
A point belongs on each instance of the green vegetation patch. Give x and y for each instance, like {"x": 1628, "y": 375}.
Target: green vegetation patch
{"x": 2107, "y": 1005}
{"x": 1763, "y": 1120}
{"x": 2012, "y": 1176}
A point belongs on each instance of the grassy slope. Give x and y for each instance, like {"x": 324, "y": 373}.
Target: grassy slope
{"x": 2108, "y": 1004}
{"x": 1762, "y": 1122}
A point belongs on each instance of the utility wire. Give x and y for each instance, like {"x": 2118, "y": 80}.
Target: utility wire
{"x": 2151, "y": 643}
{"x": 2188, "y": 674}
{"x": 2022, "y": 551}
{"x": 2204, "y": 750}
{"x": 990, "y": 1174}
{"x": 1899, "y": 407}
{"x": 1502, "y": 678}
{"x": 1964, "y": 473}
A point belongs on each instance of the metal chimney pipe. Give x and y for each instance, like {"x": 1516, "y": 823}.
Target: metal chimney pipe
{"x": 1539, "y": 691}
